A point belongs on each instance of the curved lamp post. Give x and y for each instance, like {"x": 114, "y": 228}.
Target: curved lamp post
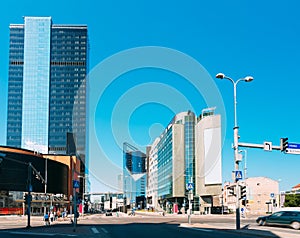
{"x": 236, "y": 142}
{"x": 235, "y": 128}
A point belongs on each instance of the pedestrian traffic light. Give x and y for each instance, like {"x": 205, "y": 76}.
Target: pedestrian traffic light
{"x": 243, "y": 192}
{"x": 284, "y": 144}
{"x": 231, "y": 191}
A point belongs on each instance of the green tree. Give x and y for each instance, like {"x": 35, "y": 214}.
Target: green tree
{"x": 292, "y": 200}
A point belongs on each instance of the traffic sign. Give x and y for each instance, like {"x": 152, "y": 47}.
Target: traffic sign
{"x": 190, "y": 186}
{"x": 293, "y": 148}
{"x": 76, "y": 184}
{"x": 272, "y": 195}
{"x": 268, "y": 146}
{"x": 238, "y": 175}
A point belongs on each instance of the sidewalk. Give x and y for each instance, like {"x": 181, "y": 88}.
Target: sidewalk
{"x": 18, "y": 225}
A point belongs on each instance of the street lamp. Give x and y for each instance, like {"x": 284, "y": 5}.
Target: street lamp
{"x": 235, "y": 140}
{"x": 235, "y": 128}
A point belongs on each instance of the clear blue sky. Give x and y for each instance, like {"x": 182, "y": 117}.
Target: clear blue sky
{"x": 238, "y": 38}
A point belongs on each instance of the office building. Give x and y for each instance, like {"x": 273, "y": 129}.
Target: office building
{"x": 188, "y": 152}
{"x": 48, "y": 65}
{"x": 134, "y": 176}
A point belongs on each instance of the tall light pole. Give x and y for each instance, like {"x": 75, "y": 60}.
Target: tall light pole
{"x": 236, "y": 140}
{"x": 235, "y": 128}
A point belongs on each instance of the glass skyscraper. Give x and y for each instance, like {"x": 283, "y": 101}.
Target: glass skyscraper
{"x": 46, "y": 86}
{"x": 134, "y": 175}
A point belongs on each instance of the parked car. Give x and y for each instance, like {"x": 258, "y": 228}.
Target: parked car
{"x": 108, "y": 213}
{"x": 282, "y": 218}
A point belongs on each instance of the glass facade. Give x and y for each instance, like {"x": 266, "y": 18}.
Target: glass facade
{"x": 15, "y": 86}
{"x": 36, "y": 72}
{"x": 189, "y": 148}
{"x": 134, "y": 174}
{"x": 47, "y": 91}
{"x": 165, "y": 165}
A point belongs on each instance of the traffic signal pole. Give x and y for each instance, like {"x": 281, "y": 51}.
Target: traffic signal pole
{"x": 237, "y": 213}
{"x": 29, "y": 194}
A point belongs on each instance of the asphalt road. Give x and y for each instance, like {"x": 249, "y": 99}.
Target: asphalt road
{"x": 142, "y": 225}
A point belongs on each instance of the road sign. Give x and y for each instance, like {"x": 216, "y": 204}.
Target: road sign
{"x": 238, "y": 175}
{"x": 268, "y": 146}
{"x": 190, "y": 186}
{"x": 76, "y": 184}
{"x": 272, "y": 195}
{"x": 293, "y": 148}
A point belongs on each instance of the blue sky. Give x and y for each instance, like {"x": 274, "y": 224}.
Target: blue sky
{"x": 238, "y": 38}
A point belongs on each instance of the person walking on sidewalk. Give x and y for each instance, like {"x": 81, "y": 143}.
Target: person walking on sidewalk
{"x": 46, "y": 219}
{"x": 51, "y": 216}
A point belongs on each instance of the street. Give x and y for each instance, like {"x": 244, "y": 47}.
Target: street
{"x": 141, "y": 225}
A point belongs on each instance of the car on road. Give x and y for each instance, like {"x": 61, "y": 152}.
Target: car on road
{"x": 282, "y": 218}
{"x": 108, "y": 213}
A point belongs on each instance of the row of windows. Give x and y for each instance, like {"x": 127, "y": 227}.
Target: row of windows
{"x": 69, "y": 42}
{"x": 67, "y": 63}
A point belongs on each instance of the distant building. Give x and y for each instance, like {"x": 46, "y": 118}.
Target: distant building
{"x": 134, "y": 176}
{"x": 262, "y": 196}
{"x": 296, "y": 188}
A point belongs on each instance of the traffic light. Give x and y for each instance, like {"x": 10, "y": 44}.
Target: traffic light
{"x": 243, "y": 192}
{"x": 27, "y": 198}
{"x": 231, "y": 191}
{"x": 284, "y": 144}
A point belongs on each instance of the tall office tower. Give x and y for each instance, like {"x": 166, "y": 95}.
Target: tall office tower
{"x": 47, "y": 86}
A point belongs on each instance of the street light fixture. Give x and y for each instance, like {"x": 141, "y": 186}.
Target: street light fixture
{"x": 235, "y": 128}
{"x": 236, "y": 138}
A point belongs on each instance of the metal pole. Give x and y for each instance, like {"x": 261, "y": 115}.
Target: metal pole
{"x": 46, "y": 180}
{"x": 245, "y": 166}
{"x": 236, "y": 151}
{"x": 74, "y": 198}
{"x": 235, "y": 130}
{"x": 29, "y": 194}
{"x": 190, "y": 206}
{"x": 238, "y": 219}
{"x": 83, "y": 189}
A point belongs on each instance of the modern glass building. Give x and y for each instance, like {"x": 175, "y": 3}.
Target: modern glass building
{"x": 134, "y": 176}
{"x": 48, "y": 65}
{"x": 188, "y": 151}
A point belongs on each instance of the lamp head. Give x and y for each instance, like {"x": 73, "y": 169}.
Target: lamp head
{"x": 220, "y": 76}
{"x": 248, "y": 79}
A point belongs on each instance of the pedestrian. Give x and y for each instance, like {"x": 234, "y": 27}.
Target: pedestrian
{"x": 51, "y": 216}
{"x": 46, "y": 219}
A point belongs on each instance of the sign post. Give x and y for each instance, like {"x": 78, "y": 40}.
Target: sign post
{"x": 75, "y": 186}
{"x": 190, "y": 188}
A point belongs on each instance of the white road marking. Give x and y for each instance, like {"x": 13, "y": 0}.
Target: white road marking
{"x": 104, "y": 230}
{"x": 94, "y": 229}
